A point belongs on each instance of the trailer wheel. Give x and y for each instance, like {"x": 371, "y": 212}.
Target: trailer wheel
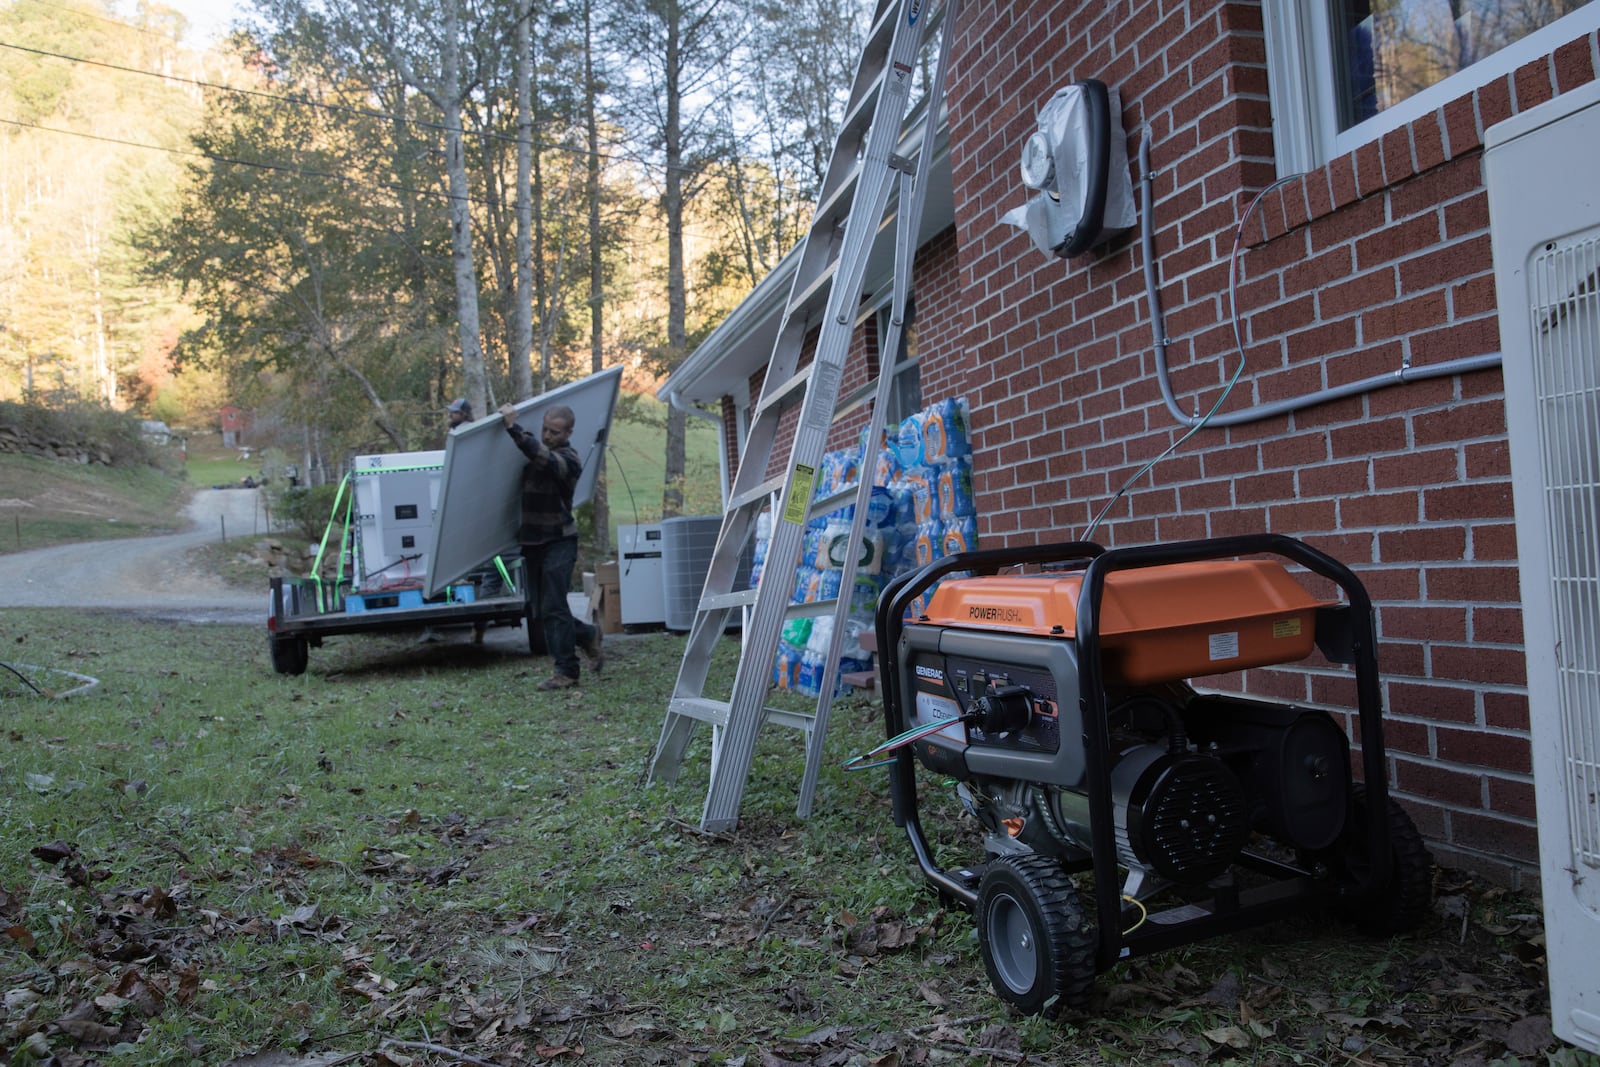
{"x": 1036, "y": 943}
{"x": 289, "y": 654}
{"x": 1404, "y": 902}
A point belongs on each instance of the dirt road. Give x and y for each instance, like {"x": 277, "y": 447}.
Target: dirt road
{"x": 148, "y": 575}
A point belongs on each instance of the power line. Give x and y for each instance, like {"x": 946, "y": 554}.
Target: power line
{"x": 349, "y": 109}
{"x": 281, "y": 168}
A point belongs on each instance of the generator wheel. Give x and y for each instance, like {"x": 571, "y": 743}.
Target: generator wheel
{"x": 1036, "y": 942}
{"x": 289, "y": 654}
{"x": 1405, "y": 901}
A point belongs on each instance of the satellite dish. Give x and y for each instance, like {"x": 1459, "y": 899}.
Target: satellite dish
{"x": 1077, "y": 171}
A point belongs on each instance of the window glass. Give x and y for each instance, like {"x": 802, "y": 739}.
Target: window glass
{"x": 1385, "y": 51}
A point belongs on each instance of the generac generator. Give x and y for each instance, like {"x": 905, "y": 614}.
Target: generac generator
{"x": 1120, "y": 810}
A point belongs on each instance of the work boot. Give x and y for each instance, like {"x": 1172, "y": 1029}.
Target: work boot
{"x": 558, "y": 681}
{"x": 595, "y": 651}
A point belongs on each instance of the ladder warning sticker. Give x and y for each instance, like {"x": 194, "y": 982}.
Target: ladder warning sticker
{"x": 799, "y": 493}
{"x": 825, "y": 390}
{"x": 1224, "y": 646}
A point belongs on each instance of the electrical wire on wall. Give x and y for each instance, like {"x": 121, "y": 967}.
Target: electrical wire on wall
{"x": 1405, "y": 373}
{"x": 1255, "y": 413}
{"x": 1238, "y": 336}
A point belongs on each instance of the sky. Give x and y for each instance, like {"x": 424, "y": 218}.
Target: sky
{"x": 208, "y": 19}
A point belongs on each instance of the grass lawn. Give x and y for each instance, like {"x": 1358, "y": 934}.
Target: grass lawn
{"x": 410, "y": 855}
{"x": 48, "y": 502}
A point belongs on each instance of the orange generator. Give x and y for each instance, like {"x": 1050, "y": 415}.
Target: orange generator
{"x": 1060, "y": 704}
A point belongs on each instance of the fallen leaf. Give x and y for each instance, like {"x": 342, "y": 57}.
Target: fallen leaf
{"x": 54, "y": 852}
{"x": 1230, "y": 1036}
{"x": 1530, "y": 1035}
{"x": 22, "y": 936}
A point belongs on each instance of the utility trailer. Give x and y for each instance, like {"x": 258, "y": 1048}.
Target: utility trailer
{"x": 424, "y": 540}
{"x": 384, "y": 523}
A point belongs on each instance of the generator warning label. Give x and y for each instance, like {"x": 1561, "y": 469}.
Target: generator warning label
{"x": 1224, "y": 646}
{"x": 800, "y": 484}
{"x": 1286, "y": 628}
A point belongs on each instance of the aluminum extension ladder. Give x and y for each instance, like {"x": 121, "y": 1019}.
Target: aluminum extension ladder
{"x": 829, "y": 279}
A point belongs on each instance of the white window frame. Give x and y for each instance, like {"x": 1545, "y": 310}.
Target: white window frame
{"x": 1300, "y": 81}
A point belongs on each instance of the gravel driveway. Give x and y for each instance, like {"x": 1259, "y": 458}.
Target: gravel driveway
{"x": 149, "y": 575}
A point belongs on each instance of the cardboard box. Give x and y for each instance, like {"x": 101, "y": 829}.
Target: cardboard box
{"x": 607, "y": 598}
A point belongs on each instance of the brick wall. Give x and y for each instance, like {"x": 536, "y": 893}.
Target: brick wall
{"x": 1379, "y": 258}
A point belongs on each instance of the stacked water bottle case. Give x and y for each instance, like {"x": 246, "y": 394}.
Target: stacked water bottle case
{"x": 921, "y": 509}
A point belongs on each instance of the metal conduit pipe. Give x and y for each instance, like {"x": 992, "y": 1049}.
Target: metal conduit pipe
{"x": 1405, "y": 373}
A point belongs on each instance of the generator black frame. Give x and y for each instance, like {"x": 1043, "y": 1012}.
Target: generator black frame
{"x": 1345, "y": 634}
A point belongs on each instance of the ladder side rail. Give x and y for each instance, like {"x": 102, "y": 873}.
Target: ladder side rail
{"x": 908, "y": 224}
{"x": 760, "y": 648}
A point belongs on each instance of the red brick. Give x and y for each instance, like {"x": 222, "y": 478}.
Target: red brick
{"x": 1426, "y": 780}
{"x": 1533, "y": 83}
{"x": 1440, "y": 703}
{"x": 1509, "y": 796}
{"x": 1422, "y": 544}
{"x": 1391, "y": 584}
{"x": 1255, "y": 489}
{"x": 1574, "y": 65}
{"x": 1402, "y": 736}
{"x": 1505, "y": 752}
{"x": 1427, "y": 140}
{"x": 1436, "y": 467}
{"x": 1497, "y": 626}
{"x": 1423, "y": 623}
{"x": 1473, "y": 584}
{"x": 1478, "y": 500}
{"x": 1505, "y": 711}
{"x": 1494, "y": 542}
{"x": 1342, "y": 180}
{"x": 1335, "y": 479}
{"x": 1333, "y": 690}
{"x": 1489, "y": 459}
{"x": 1303, "y": 517}
{"x": 1397, "y": 162}
{"x": 1380, "y": 509}
{"x": 1461, "y": 126}
{"x": 1369, "y": 169}
{"x": 1499, "y": 836}
{"x": 1479, "y": 663}
{"x": 1460, "y": 421}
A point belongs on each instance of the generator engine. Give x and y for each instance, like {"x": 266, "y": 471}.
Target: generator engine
{"x": 1191, "y": 777}
{"x": 1062, "y": 706}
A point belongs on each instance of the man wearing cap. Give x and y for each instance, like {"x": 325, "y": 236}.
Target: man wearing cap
{"x": 549, "y": 538}
{"x": 459, "y": 412}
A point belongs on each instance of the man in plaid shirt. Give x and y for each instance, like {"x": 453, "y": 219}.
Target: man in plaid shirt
{"x": 549, "y": 538}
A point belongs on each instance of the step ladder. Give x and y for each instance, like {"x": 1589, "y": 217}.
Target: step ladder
{"x": 828, "y": 283}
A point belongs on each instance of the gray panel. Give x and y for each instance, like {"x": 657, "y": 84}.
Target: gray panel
{"x": 479, "y": 501}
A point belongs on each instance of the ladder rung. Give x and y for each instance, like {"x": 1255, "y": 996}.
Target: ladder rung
{"x": 786, "y": 393}
{"x": 825, "y": 219}
{"x": 799, "y": 720}
{"x": 824, "y": 504}
{"x": 815, "y": 295}
{"x": 759, "y": 493}
{"x": 854, "y": 399}
{"x": 714, "y": 712}
{"x": 738, "y": 599}
{"x": 811, "y": 609}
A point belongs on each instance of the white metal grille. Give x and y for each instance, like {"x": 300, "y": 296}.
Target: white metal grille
{"x": 1564, "y": 291}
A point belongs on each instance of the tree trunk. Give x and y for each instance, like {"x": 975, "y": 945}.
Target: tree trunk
{"x": 522, "y": 318}
{"x": 602, "y": 506}
{"x": 474, "y": 378}
{"x": 677, "y": 298}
